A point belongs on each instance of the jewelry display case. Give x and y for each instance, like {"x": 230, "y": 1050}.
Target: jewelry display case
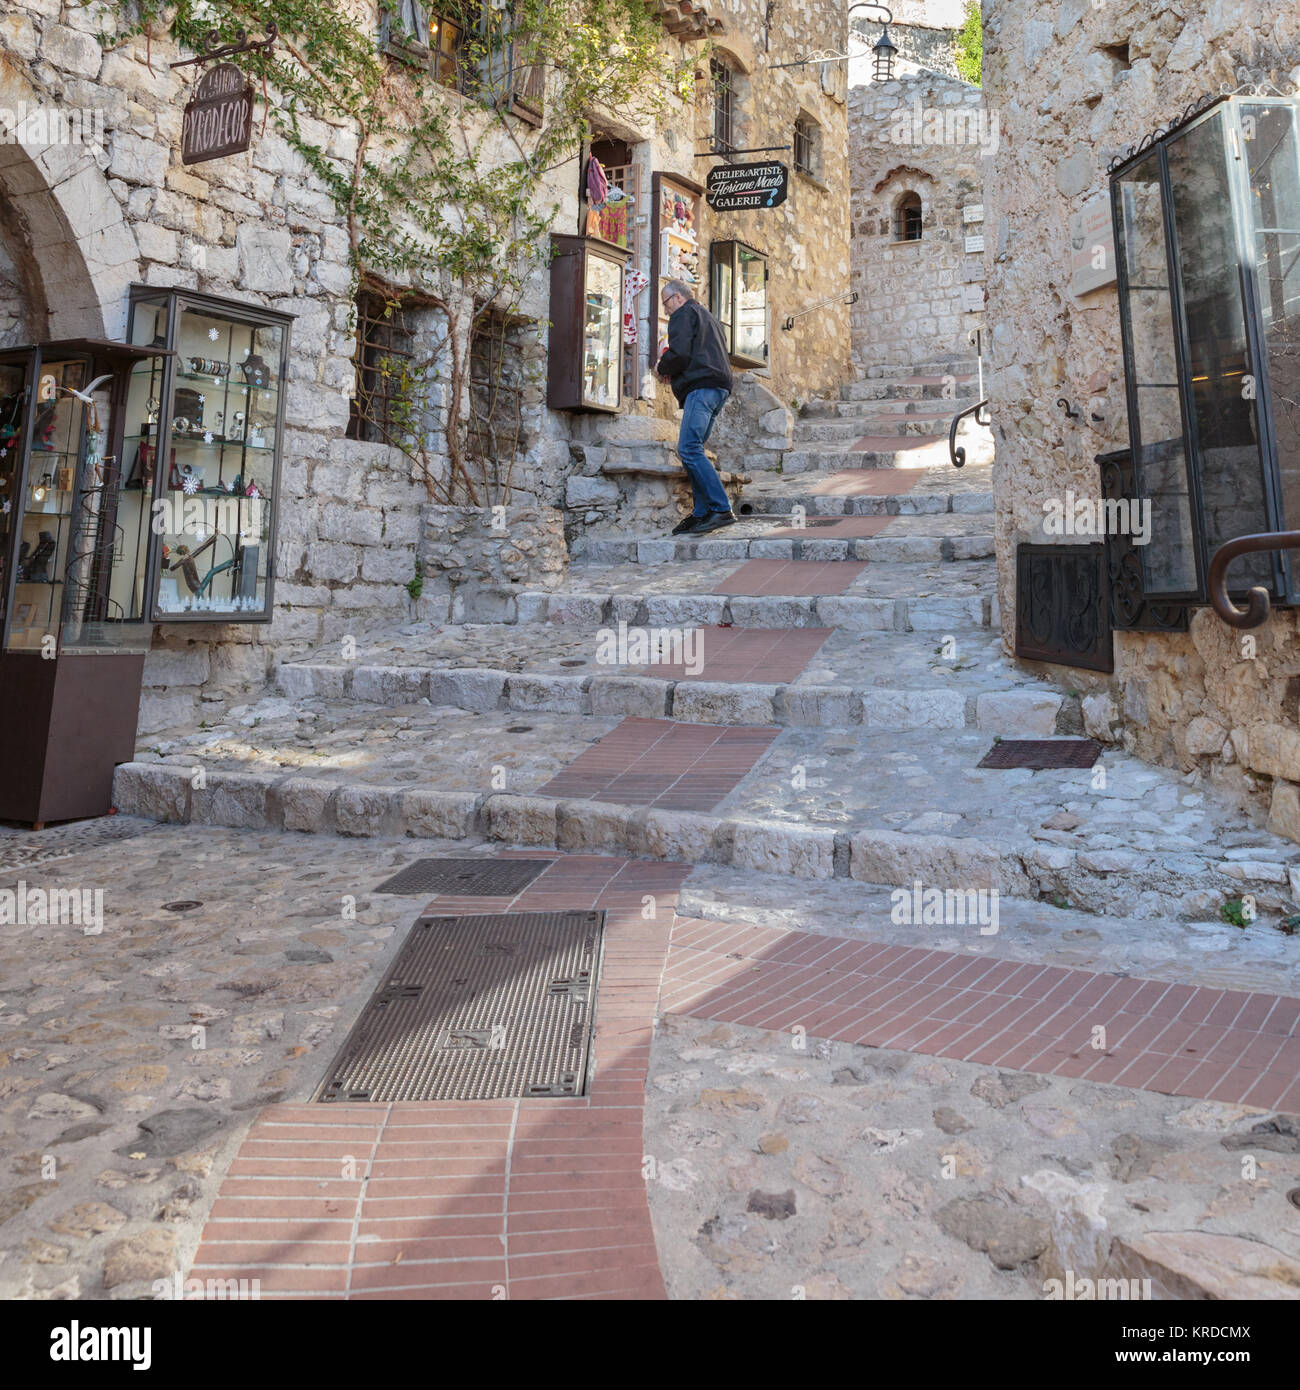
{"x": 73, "y": 597}
{"x": 202, "y": 453}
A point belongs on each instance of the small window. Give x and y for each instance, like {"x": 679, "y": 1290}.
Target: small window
{"x": 385, "y": 348}
{"x": 805, "y": 146}
{"x": 907, "y": 218}
{"x": 723, "y": 112}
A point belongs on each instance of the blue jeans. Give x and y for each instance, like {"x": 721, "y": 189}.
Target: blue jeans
{"x": 699, "y": 411}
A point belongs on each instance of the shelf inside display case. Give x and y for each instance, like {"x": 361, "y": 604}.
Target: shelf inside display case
{"x": 216, "y": 418}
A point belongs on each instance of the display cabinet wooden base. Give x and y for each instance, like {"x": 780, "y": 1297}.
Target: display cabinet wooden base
{"x": 68, "y": 722}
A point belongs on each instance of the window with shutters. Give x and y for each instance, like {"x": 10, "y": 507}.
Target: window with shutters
{"x": 468, "y": 48}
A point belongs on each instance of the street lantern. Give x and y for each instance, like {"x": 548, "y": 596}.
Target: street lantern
{"x": 883, "y": 51}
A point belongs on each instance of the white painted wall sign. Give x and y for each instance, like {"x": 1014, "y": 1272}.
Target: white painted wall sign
{"x": 973, "y": 213}
{"x": 1092, "y": 247}
{"x": 974, "y": 245}
{"x": 972, "y": 299}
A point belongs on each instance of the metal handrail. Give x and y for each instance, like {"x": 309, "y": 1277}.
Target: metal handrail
{"x": 958, "y": 455}
{"x": 821, "y": 304}
{"x": 1257, "y": 600}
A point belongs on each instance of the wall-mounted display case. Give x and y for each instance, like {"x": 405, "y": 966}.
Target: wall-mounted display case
{"x": 585, "y": 353}
{"x": 676, "y": 204}
{"x": 738, "y": 298}
{"x": 74, "y": 625}
{"x": 201, "y": 453}
{"x": 1207, "y": 235}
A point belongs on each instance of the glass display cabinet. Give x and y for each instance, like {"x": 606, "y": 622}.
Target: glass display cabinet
{"x": 585, "y": 366}
{"x": 738, "y": 297}
{"x": 74, "y": 625}
{"x": 1207, "y": 235}
{"x": 201, "y": 455}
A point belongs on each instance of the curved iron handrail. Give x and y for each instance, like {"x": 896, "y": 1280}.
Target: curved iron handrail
{"x": 958, "y": 456}
{"x": 1257, "y": 601}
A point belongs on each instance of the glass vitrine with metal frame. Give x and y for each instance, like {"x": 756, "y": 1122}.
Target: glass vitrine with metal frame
{"x": 1207, "y": 235}
{"x": 202, "y": 447}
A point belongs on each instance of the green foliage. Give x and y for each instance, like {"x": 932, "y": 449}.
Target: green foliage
{"x": 968, "y": 45}
{"x": 446, "y": 196}
{"x": 1234, "y": 912}
{"x": 415, "y": 587}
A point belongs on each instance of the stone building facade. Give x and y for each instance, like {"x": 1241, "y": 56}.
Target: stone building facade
{"x": 1075, "y": 85}
{"x": 920, "y": 146}
{"x": 80, "y": 223}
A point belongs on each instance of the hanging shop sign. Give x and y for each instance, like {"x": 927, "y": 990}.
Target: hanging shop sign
{"x": 733, "y": 187}
{"x": 219, "y": 117}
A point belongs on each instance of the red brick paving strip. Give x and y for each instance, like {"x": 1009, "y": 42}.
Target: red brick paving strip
{"x": 660, "y": 762}
{"x": 471, "y": 1199}
{"x": 791, "y": 578}
{"x": 869, "y": 482}
{"x": 1210, "y": 1044}
{"x": 767, "y": 655}
{"x": 894, "y": 443}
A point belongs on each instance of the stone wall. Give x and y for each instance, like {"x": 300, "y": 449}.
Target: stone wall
{"x": 1076, "y": 85}
{"x": 931, "y": 136}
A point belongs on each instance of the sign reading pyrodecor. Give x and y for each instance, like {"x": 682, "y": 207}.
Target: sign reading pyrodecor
{"x": 219, "y": 114}
{"x": 731, "y": 187}
{"x": 218, "y": 117}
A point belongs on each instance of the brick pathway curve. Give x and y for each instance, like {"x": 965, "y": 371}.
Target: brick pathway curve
{"x": 545, "y": 1198}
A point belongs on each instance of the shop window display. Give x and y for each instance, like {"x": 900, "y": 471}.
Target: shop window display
{"x": 202, "y": 452}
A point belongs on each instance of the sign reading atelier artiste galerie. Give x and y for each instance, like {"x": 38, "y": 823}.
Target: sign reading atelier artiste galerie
{"x": 732, "y": 187}
{"x": 218, "y": 117}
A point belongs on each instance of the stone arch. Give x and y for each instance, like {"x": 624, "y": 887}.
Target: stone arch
{"x": 69, "y": 240}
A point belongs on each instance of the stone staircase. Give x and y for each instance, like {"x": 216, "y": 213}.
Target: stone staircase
{"x": 852, "y": 679}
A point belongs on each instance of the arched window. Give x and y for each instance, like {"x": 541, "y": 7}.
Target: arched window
{"x": 907, "y": 218}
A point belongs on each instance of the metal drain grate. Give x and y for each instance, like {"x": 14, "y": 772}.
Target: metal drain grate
{"x": 466, "y": 878}
{"x": 1040, "y": 753}
{"x": 477, "y": 1008}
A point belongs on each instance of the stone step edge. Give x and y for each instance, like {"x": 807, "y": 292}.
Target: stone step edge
{"x": 819, "y": 504}
{"x": 852, "y": 611}
{"x": 1009, "y": 710}
{"x": 256, "y": 801}
{"x": 659, "y": 550}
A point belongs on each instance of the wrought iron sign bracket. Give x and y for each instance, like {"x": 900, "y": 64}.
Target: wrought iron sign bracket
{"x": 1257, "y": 601}
{"x": 214, "y": 49}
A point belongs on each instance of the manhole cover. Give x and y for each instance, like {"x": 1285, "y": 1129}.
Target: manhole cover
{"x": 574, "y": 661}
{"x": 466, "y": 878}
{"x": 520, "y": 729}
{"x": 185, "y": 905}
{"x": 1040, "y": 753}
{"x": 1294, "y": 1196}
{"x": 477, "y": 1008}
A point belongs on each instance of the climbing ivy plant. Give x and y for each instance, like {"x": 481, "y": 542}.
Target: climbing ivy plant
{"x": 446, "y": 196}
{"x": 968, "y": 45}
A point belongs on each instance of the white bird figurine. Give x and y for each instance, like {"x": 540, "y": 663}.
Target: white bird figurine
{"x": 84, "y": 396}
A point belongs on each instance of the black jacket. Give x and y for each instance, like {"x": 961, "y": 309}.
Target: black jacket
{"x": 697, "y": 351}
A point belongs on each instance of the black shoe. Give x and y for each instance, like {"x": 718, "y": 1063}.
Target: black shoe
{"x": 686, "y": 525}
{"x": 714, "y": 522}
